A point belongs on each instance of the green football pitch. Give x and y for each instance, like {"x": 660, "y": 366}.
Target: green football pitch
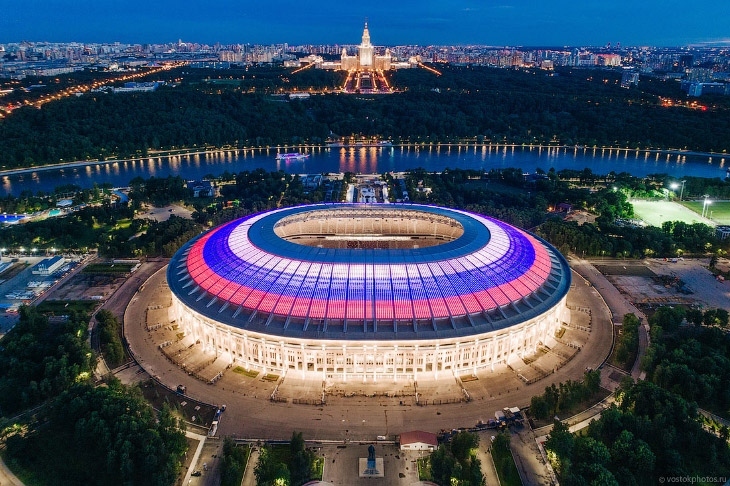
{"x": 655, "y": 213}
{"x": 717, "y": 211}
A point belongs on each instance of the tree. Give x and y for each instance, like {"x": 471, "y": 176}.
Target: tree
{"x": 40, "y": 360}
{"x": 442, "y": 465}
{"x": 269, "y": 471}
{"x": 539, "y": 407}
{"x": 667, "y": 318}
{"x": 694, "y": 316}
{"x": 551, "y": 398}
{"x": 560, "y": 443}
{"x": 110, "y": 339}
{"x": 590, "y": 458}
{"x": 628, "y": 342}
{"x": 457, "y": 462}
{"x": 462, "y": 445}
{"x": 715, "y": 317}
{"x": 592, "y": 381}
{"x": 501, "y": 441}
{"x": 232, "y": 463}
{"x": 301, "y": 460}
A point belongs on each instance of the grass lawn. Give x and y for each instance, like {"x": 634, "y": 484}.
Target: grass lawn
{"x": 717, "y": 211}
{"x": 109, "y": 268}
{"x": 424, "y": 469}
{"x": 631, "y": 358}
{"x": 158, "y": 395}
{"x": 654, "y": 213}
{"x": 231, "y": 82}
{"x": 317, "y": 468}
{"x": 623, "y": 366}
{"x": 123, "y": 224}
{"x": 242, "y": 371}
{"x": 61, "y": 307}
{"x": 506, "y": 468}
{"x": 281, "y": 452}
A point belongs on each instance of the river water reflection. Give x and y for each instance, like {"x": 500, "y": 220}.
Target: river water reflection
{"x": 375, "y": 160}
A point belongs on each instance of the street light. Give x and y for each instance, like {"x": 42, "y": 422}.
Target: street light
{"x": 675, "y": 185}
{"x": 705, "y": 204}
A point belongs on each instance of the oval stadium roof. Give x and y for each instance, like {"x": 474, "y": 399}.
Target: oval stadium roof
{"x": 491, "y": 277}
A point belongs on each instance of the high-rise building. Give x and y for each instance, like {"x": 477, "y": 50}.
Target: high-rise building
{"x": 365, "y": 50}
{"x": 366, "y": 57}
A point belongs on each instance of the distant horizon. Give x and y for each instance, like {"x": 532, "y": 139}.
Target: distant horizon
{"x": 512, "y": 23}
{"x": 709, "y": 45}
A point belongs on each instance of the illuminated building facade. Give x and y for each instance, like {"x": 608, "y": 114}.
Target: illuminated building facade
{"x": 366, "y": 292}
{"x": 366, "y": 59}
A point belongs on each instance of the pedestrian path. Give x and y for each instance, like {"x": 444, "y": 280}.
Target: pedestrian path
{"x": 194, "y": 462}
{"x": 7, "y": 477}
{"x": 249, "y": 479}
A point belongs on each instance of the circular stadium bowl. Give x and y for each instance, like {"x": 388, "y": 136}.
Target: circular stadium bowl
{"x": 368, "y": 292}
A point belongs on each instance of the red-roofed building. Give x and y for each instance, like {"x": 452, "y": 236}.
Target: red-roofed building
{"x": 418, "y": 440}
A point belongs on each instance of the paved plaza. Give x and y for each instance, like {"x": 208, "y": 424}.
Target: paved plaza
{"x": 271, "y": 407}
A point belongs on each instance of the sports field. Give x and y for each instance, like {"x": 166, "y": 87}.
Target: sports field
{"x": 718, "y": 211}
{"x": 655, "y": 213}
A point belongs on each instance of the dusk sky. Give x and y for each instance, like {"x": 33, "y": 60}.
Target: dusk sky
{"x": 501, "y": 22}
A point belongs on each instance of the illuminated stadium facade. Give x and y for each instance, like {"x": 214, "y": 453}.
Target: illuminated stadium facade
{"x": 368, "y": 292}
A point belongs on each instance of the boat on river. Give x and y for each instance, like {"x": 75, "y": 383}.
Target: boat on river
{"x": 292, "y": 156}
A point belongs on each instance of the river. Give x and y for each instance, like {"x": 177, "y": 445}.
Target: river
{"x": 373, "y": 160}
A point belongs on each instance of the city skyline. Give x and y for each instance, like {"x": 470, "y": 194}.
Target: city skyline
{"x": 511, "y": 22}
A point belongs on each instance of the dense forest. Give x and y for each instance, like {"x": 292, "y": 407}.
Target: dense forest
{"x": 100, "y": 436}
{"x": 77, "y": 434}
{"x": 39, "y": 360}
{"x": 651, "y": 434}
{"x": 692, "y": 361}
{"x": 481, "y": 104}
{"x": 655, "y": 430}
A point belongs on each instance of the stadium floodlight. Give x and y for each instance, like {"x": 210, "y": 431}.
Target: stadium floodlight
{"x": 675, "y": 186}
{"x": 705, "y": 205}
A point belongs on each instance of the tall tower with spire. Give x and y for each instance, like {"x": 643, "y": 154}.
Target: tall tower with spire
{"x": 365, "y": 50}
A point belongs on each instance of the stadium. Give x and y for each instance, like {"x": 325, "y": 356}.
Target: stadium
{"x": 368, "y": 292}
